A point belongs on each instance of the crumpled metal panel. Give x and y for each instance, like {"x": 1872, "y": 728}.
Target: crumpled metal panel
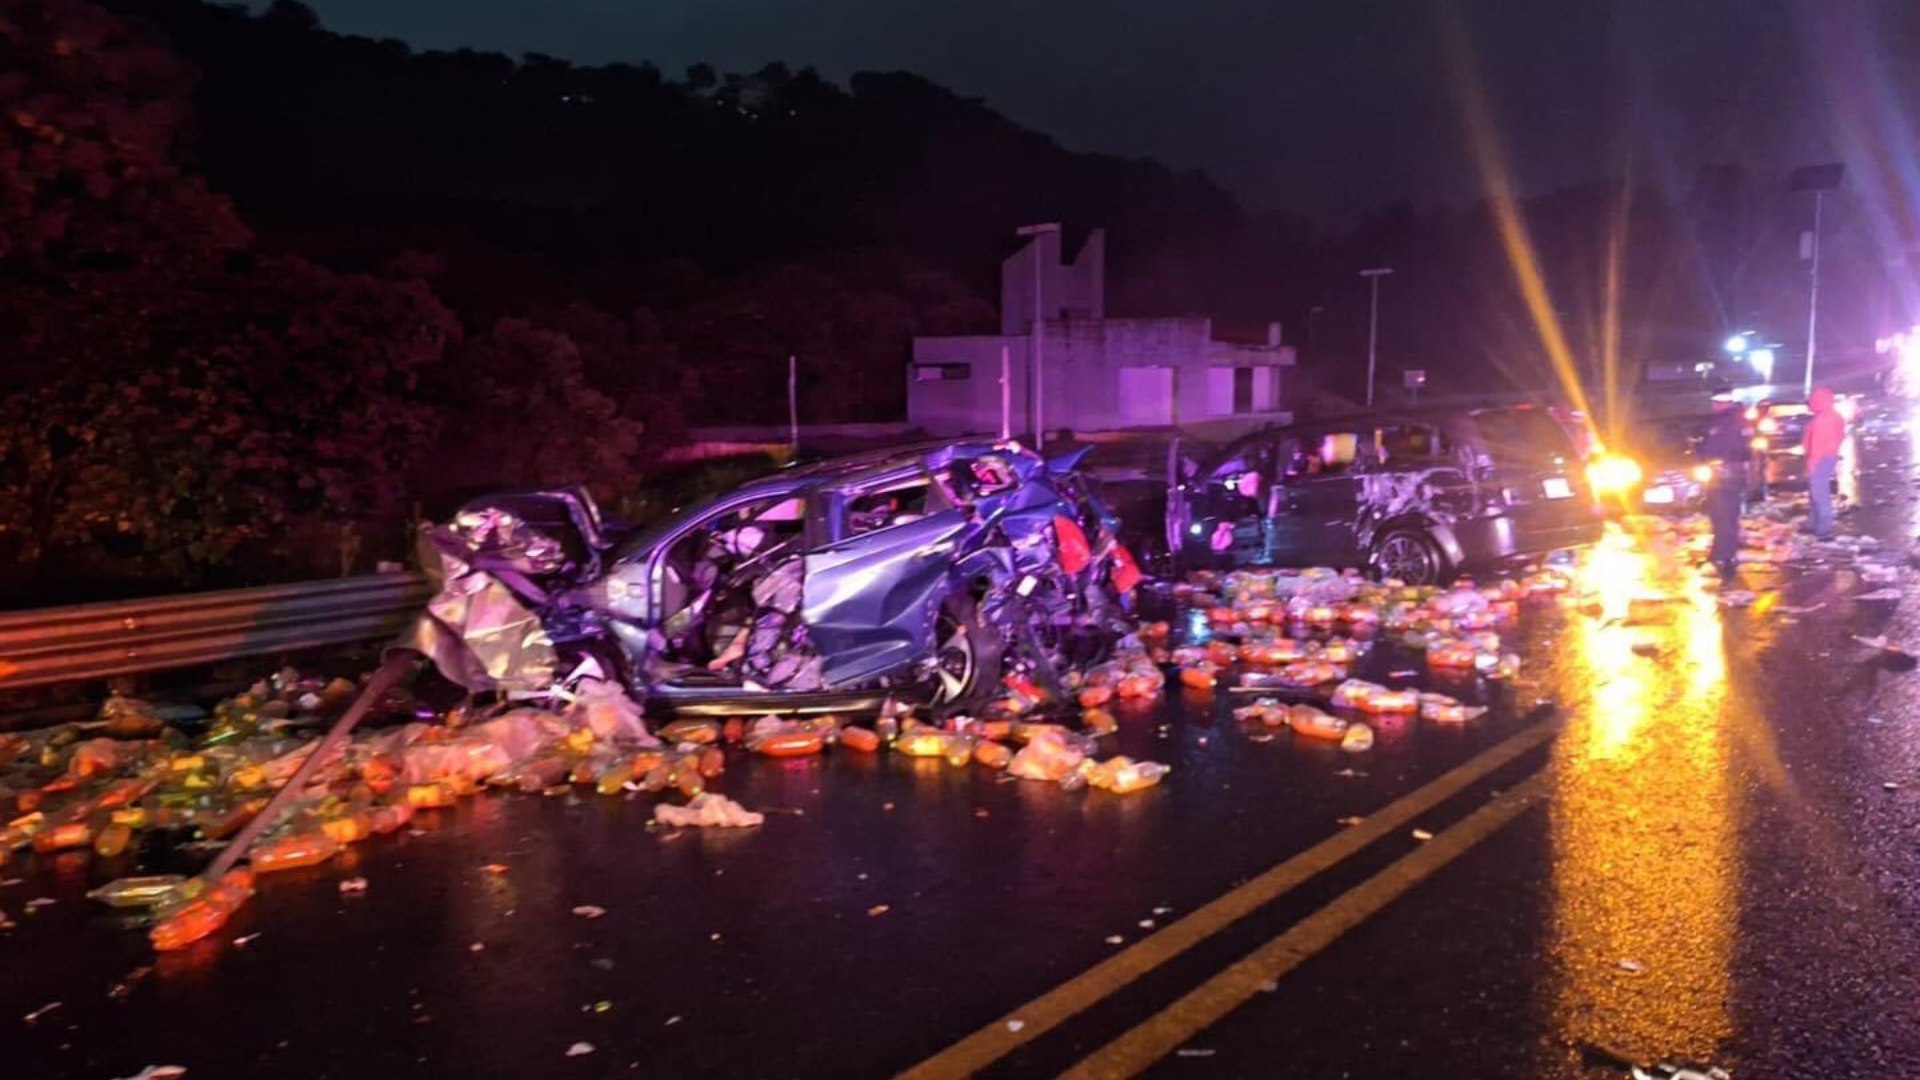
{"x": 480, "y": 635}
{"x": 871, "y": 601}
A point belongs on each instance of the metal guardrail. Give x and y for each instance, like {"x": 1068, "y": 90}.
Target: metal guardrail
{"x": 97, "y": 641}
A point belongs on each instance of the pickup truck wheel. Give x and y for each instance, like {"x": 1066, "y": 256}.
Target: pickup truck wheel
{"x": 1409, "y": 555}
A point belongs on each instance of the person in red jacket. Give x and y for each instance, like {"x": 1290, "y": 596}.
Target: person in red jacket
{"x": 1826, "y": 430}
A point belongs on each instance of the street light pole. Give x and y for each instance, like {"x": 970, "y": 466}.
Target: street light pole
{"x": 1818, "y": 179}
{"x": 1813, "y": 293}
{"x": 1373, "y": 326}
{"x": 1036, "y": 384}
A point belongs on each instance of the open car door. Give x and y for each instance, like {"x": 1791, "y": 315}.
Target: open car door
{"x": 1177, "y": 510}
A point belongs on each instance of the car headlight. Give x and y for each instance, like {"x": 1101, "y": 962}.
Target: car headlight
{"x": 1611, "y": 474}
{"x": 1769, "y": 426}
{"x": 1703, "y": 474}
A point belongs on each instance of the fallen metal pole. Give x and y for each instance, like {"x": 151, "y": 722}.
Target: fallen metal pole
{"x": 392, "y": 672}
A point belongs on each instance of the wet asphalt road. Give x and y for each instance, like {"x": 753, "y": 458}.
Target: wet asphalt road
{"x": 1716, "y": 872}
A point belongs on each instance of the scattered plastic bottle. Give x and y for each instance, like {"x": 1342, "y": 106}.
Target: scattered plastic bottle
{"x": 136, "y": 892}
{"x": 791, "y": 744}
{"x": 433, "y": 796}
{"x": 864, "y": 740}
{"x": 292, "y": 851}
{"x": 64, "y": 836}
{"x": 992, "y": 754}
{"x": 112, "y": 840}
{"x": 615, "y": 778}
{"x": 349, "y": 828}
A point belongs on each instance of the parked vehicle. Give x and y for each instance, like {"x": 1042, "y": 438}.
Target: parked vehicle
{"x": 1418, "y": 495}
{"x": 935, "y": 572}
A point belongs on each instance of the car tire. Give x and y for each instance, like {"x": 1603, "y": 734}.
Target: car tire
{"x": 1410, "y": 555}
{"x": 966, "y": 655}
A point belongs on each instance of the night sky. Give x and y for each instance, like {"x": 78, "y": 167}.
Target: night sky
{"x": 1321, "y": 108}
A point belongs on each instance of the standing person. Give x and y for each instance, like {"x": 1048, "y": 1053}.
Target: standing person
{"x": 1726, "y": 447}
{"x": 1826, "y": 430}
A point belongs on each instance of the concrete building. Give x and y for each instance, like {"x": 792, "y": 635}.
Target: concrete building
{"x": 1099, "y": 374}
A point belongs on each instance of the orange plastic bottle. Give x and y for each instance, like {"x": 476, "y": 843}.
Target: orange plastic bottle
{"x": 71, "y": 834}
{"x": 614, "y": 778}
{"x": 122, "y": 792}
{"x": 350, "y": 828}
{"x": 712, "y": 762}
{"x": 291, "y": 851}
{"x": 791, "y": 744}
{"x": 686, "y": 777}
{"x": 187, "y": 925}
{"x": 1092, "y": 697}
{"x": 230, "y": 822}
{"x": 865, "y": 740}
{"x": 1198, "y": 677}
{"x": 391, "y": 817}
{"x": 205, "y": 915}
{"x": 992, "y": 754}
{"x": 112, "y": 840}
{"x": 429, "y": 796}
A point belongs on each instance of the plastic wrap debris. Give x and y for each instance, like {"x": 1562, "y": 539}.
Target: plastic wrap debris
{"x": 1048, "y": 755}
{"x": 708, "y": 811}
{"x": 1122, "y": 775}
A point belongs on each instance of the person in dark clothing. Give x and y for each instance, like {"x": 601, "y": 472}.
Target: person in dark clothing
{"x": 1726, "y": 447}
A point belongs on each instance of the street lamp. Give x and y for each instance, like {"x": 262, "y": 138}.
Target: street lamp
{"x": 1035, "y": 385}
{"x": 1373, "y": 325}
{"x": 1818, "y": 179}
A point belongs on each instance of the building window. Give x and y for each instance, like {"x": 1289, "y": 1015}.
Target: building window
{"x": 942, "y": 372}
{"x": 1243, "y": 390}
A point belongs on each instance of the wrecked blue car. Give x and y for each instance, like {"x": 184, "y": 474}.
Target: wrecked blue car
{"x": 935, "y": 573}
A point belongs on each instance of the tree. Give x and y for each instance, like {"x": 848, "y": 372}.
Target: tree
{"x": 524, "y": 414}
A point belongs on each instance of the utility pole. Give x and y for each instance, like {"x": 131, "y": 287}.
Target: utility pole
{"x": 1006, "y": 393}
{"x": 1373, "y": 325}
{"x": 1036, "y": 377}
{"x": 1818, "y": 179}
{"x": 793, "y": 404}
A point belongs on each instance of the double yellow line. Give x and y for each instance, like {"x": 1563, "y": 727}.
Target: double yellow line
{"x": 1162, "y": 1033}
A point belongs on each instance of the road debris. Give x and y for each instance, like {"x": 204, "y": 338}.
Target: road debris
{"x": 158, "y": 1072}
{"x": 580, "y": 1049}
{"x": 34, "y": 1016}
{"x": 589, "y": 911}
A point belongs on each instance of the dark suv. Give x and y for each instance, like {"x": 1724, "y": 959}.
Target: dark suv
{"x": 1415, "y": 495}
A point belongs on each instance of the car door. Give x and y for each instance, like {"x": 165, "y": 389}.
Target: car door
{"x": 1317, "y": 500}
{"x": 869, "y": 599}
{"x": 1217, "y": 513}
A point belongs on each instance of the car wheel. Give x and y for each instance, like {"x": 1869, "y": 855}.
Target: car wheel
{"x": 1410, "y": 556}
{"x": 966, "y": 654}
